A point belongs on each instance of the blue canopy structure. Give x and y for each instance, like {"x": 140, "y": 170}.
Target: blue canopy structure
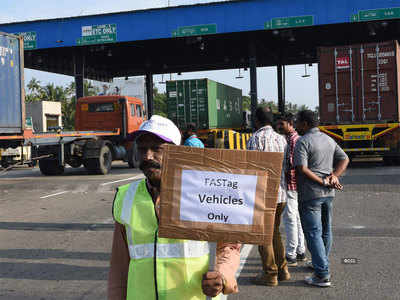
{"x": 202, "y": 37}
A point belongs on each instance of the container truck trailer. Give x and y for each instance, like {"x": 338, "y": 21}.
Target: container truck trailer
{"x": 101, "y": 122}
{"x": 215, "y": 109}
{"x": 359, "y": 98}
{"x": 204, "y": 102}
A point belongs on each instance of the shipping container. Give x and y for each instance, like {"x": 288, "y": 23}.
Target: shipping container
{"x": 359, "y": 84}
{"x": 11, "y": 84}
{"x": 206, "y": 103}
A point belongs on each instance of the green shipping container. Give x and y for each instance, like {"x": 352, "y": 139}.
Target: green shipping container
{"x": 206, "y": 103}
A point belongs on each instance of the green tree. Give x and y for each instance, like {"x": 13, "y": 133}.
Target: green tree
{"x": 246, "y": 103}
{"x": 50, "y": 92}
{"x": 271, "y": 104}
{"x": 160, "y": 102}
{"x": 88, "y": 88}
{"x": 34, "y": 90}
{"x": 291, "y": 107}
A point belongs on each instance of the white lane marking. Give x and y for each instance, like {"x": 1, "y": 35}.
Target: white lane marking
{"x": 244, "y": 254}
{"x": 130, "y": 178}
{"x": 56, "y": 194}
{"x": 358, "y": 227}
{"x": 108, "y": 221}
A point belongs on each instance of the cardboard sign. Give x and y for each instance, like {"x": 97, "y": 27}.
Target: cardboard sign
{"x": 219, "y": 195}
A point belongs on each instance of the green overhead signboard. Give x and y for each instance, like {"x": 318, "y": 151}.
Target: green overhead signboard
{"x": 29, "y": 40}
{"x": 98, "y": 34}
{"x": 376, "y": 14}
{"x": 379, "y": 14}
{"x": 195, "y": 30}
{"x": 289, "y": 22}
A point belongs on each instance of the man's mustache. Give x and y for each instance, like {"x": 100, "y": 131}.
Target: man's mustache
{"x": 147, "y": 164}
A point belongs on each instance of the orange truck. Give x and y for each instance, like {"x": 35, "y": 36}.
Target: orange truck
{"x": 102, "y": 123}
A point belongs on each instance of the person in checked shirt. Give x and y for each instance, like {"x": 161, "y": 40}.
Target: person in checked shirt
{"x": 295, "y": 247}
{"x": 272, "y": 256}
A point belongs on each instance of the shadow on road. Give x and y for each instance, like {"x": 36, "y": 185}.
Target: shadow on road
{"x": 52, "y": 253}
{"x": 366, "y": 164}
{"x": 49, "y": 271}
{"x": 247, "y": 281}
{"x": 370, "y": 179}
{"x": 117, "y": 169}
{"x": 55, "y": 226}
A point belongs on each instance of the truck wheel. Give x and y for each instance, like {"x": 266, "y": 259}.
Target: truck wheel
{"x": 33, "y": 164}
{"x": 133, "y": 157}
{"x": 5, "y": 164}
{"x": 388, "y": 161}
{"x": 397, "y": 161}
{"x": 50, "y": 167}
{"x": 75, "y": 163}
{"x": 90, "y": 166}
{"x": 100, "y": 165}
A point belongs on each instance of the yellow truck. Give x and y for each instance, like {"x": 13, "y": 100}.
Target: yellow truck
{"x": 368, "y": 140}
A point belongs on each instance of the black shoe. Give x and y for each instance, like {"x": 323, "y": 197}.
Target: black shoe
{"x": 301, "y": 257}
{"x": 291, "y": 262}
{"x": 314, "y": 280}
{"x": 309, "y": 264}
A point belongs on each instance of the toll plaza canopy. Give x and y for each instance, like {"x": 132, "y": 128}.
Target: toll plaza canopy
{"x": 202, "y": 37}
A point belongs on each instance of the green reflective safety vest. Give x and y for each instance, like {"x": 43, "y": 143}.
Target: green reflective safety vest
{"x": 159, "y": 268}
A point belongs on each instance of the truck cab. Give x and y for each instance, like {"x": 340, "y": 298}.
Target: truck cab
{"x": 107, "y": 113}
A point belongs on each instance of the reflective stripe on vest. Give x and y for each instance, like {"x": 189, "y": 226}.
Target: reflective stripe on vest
{"x": 126, "y": 211}
{"x": 127, "y": 203}
{"x": 188, "y": 249}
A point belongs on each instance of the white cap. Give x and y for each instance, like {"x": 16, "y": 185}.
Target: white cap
{"x": 162, "y": 127}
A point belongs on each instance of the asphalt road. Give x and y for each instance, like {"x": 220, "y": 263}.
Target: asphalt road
{"x": 55, "y": 237}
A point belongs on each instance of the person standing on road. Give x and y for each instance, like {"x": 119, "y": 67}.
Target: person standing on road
{"x": 146, "y": 267}
{"x": 272, "y": 256}
{"x": 191, "y": 138}
{"x": 295, "y": 248}
{"x": 319, "y": 162}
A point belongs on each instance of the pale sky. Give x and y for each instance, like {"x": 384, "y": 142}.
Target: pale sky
{"x": 299, "y": 90}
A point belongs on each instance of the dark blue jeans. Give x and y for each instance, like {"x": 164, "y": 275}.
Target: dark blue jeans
{"x": 316, "y": 219}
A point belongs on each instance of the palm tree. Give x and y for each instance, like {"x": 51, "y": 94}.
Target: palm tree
{"x": 33, "y": 85}
{"x": 50, "y": 92}
{"x": 34, "y": 89}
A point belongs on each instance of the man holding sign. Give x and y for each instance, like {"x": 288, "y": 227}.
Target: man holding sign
{"x": 145, "y": 266}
